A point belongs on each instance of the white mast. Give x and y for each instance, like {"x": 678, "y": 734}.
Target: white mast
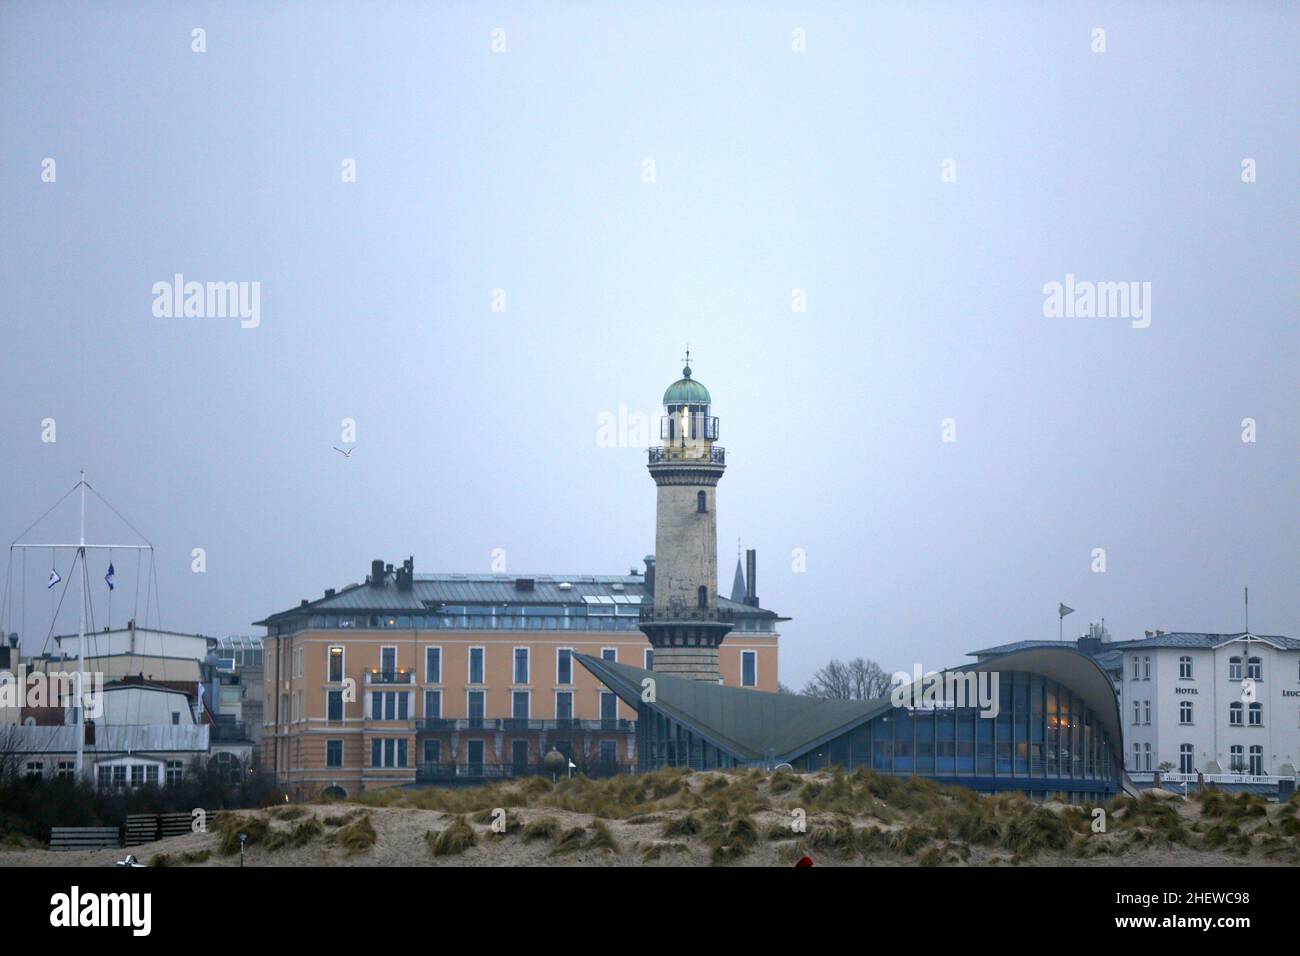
{"x": 81, "y": 634}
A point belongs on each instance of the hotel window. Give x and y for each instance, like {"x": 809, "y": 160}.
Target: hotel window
{"x": 388, "y": 661}
{"x": 119, "y": 776}
{"x": 608, "y": 706}
{"x": 1234, "y": 668}
{"x": 334, "y": 705}
{"x": 67, "y": 770}
{"x": 1146, "y": 711}
{"x": 521, "y": 665}
{"x": 433, "y": 665}
{"x": 1257, "y": 761}
{"x": 1257, "y": 715}
{"x": 1255, "y": 669}
{"x": 1237, "y": 759}
{"x": 519, "y": 705}
{"x": 1137, "y": 757}
{"x": 333, "y": 753}
{"x": 34, "y": 769}
{"x": 1185, "y": 712}
{"x": 151, "y": 775}
{"x": 1146, "y": 753}
{"x": 433, "y": 751}
{"x": 1137, "y": 711}
{"x": 1146, "y": 668}
{"x": 388, "y": 752}
{"x": 1136, "y": 671}
{"x": 609, "y": 654}
{"x": 701, "y": 502}
{"x": 1185, "y": 668}
{"x": 175, "y": 772}
{"x": 564, "y": 705}
{"x": 748, "y": 668}
{"x": 476, "y": 665}
{"x": 564, "y": 666}
{"x": 432, "y": 704}
{"x": 1186, "y": 763}
{"x": 649, "y": 659}
{"x": 474, "y": 704}
{"x": 1234, "y": 714}
{"x": 335, "y": 665}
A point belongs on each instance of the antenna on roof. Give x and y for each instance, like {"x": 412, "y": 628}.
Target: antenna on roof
{"x": 1247, "y": 610}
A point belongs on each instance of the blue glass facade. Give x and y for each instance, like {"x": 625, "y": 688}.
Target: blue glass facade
{"x": 1044, "y": 739}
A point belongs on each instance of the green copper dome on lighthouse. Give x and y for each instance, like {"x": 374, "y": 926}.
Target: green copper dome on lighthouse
{"x": 686, "y": 391}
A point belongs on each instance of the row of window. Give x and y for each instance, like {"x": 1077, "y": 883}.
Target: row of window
{"x": 1236, "y": 710}
{"x": 396, "y": 705}
{"x": 1251, "y": 667}
{"x": 522, "y": 670}
{"x": 121, "y": 775}
{"x": 593, "y": 618}
{"x": 1237, "y": 759}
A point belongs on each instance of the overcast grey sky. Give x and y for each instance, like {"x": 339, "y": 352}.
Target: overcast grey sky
{"x": 524, "y": 170}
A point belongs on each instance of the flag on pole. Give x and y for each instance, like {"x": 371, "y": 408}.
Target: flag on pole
{"x": 1063, "y": 610}
{"x": 54, "y": 579}
{"x": 108, "y": 578}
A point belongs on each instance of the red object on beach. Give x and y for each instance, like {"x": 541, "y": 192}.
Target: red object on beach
{"x": 804, "y": 861}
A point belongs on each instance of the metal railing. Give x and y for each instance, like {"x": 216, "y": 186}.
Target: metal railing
{"x": 449, "y": 772}
{"x": 519, "y": 724}
{"x": 722, "y": 615}
{"x": 717, "y": 455}
{"x": 390, "y": 677}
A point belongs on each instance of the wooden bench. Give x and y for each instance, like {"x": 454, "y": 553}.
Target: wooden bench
{"x": 84, "y": 838}
{"x": 176, "y": 824}
{"x": 141, "y": 828}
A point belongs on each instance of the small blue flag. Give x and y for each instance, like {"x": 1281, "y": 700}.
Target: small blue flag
{"x": 108, "y": 578}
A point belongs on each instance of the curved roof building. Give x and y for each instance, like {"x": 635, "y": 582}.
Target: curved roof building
{"x": 1042, "y": 720}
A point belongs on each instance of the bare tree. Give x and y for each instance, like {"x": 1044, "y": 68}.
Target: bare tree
{"x": 858, "y": 679}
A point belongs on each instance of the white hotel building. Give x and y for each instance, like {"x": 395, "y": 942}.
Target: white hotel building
{"x": 1222, "y": 706}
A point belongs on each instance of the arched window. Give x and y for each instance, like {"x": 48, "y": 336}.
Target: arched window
{"x": 1255, "y": 668}
{"x": 1234, "y": 668}
{"x": 1234, "y": 713}
{"x": 1257, "y": 715}
{"x": 704, "y": 596}
{"x": 701, "y": 502}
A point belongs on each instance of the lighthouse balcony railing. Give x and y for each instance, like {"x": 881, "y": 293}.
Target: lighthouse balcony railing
{"x": 674, "y": 615}
{"x": 676, "y": 427}
{"x": 717, "y": 455}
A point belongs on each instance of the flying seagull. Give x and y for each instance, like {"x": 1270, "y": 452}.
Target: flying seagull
{"x": 345, "y": 454}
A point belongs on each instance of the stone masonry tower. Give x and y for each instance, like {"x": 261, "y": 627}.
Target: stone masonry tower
{"x": 685, "y": 626}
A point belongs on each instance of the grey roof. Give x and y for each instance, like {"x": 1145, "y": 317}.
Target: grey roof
{"x": 740, "y": 720}
{"x": 111, "y": 738}
{"x": 431, "y": 590}
{"x": 748, "y": 723}
{"x": 1190, "y": 639}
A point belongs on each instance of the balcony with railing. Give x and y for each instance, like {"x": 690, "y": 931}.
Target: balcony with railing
{"x": 476, "y": 772}
{"x": 522, "y": 725}
{"x": 378, "y": 677}
{"x": 689, "y": 454}
{"x": 686, "y": 614}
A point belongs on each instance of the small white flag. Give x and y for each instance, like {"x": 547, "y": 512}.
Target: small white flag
{"x": 54, "y": 579}
{"x": 1063, "y": 610}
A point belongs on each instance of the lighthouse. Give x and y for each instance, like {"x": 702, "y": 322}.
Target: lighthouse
{"x": 684, "y": 624}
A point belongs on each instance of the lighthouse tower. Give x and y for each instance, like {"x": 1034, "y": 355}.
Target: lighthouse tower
{"x": 684, "y": 625}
